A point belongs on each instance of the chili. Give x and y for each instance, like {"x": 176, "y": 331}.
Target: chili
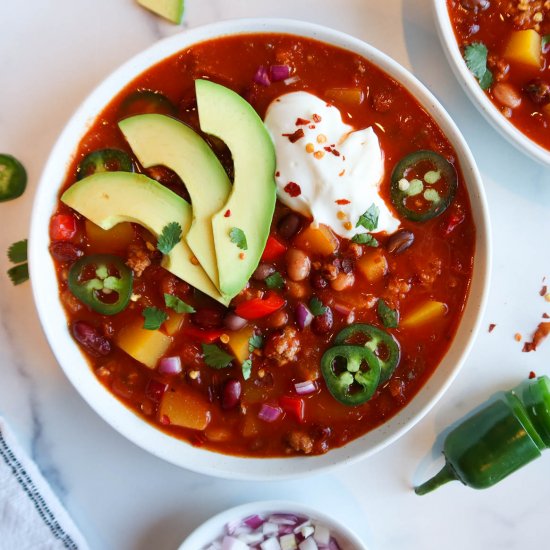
{"x": 13, "y": 178}
{"x": 255, "y": 308}
{"x": 103, "y": 282}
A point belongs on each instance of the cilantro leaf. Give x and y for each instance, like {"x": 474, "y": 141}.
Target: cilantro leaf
{"x": 19, "y": 274}
{"x": 475, "y": 56}
{"x": 369, "y": 219}
{"x": 170, "y": 237}
{"x": 365, "y": 238}
{"x": 154, "y": 317}
{"x": 316, "y": 306}
{"x": 238, "y": 237}
{"x": 179, "y": 306}
{"x": 255, "y": 342}
{"x": 215, "y": 357}
{"x": 247, "y": 369}
{"x": 17, "y": 252}
{"x": 544, "y": 42}
{"x": 275, "y": 281}
{"x": 388, "y": 316}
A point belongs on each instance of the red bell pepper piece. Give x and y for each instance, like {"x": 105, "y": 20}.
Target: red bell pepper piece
{"x": 293, "y": 405}
{"x": 203, "y": 336}
{"x": 63, "y": 227}
{"x": 273, "y": 249}
{"x": 260, "y": 307}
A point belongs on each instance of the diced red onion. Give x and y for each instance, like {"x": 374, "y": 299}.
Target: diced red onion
{"x": 279, "y": 72}
{"x": 343, "y": 309}
{"x": 292, "y": 80}
{"x": 308, "y": 544}
{"x": 285, "y": 519}
{"x": 271, "y": 544}
{"x": 303, "y": 315}
{"x": 322, "y": 534}
{"x": 269, "y": 528}
{"x": 254, "y": 521}
{"x": 231, "y": 543}
{"x": 305, "y": 388}
{"x": 333, "y": 545}
{"x": 262, "y": 76}
{"x": 269, "y": 413}
{"x": 170, "y": 365}
{"x": 233, "y": 322}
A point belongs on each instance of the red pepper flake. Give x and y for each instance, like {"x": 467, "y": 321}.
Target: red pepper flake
{"x": 543, "y": 330}
{"x": 492, "y": 327}
{"x": 544, "y": 291}
{"x": 545, "y": 316}
{"x": 293, "y": 189}
{"x": 335, "y": 153}
{"x": 294, "y": 137}
{"x": 342, "y": 172}
{"x": 302, "y": 122}
{"x": 241, "y": 257}
{"x": 532, "y": 375}
{"x": 227, "y": 214}
{"x": 277, "y": 174}
{"x": 316, "y": 118}
{"x": 342, "y": 201}
{"x": 164, "y": 419}
{"x": 328, "y": 149}
{"x": 311, "y": 126}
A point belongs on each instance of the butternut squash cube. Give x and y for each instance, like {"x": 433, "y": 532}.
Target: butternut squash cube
{"x": 524, "y": 47}
{"x": 427, "y": 312}
{"x": 186, "y": 408}
{"x": 546, "y": 110}
{"x": 173, "y": 323}
{"x": 111, "y": 240}
{"x": 349, "y": 96}
{"x": 238, "y": 343}
{"x": 373, "y": 265}
{"x": 145, "y": 346}
{"x": 317, "y": 240}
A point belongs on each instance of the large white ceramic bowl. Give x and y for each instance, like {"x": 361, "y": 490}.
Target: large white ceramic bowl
{"x": 478, "y": 97}
{"x": 115, "y": 413}
{"x": 213, "y": 529}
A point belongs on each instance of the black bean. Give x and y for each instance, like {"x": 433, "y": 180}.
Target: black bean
{"x": 317, "y": 281}
{"x": 263, "y": 271}
{"x": 89, "y": 338}
{"x": 65, "y": 251}
{"x": 289, "y": 225}
{"x": 400, "y": 241}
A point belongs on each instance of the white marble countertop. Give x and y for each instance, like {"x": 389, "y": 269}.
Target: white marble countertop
{"x": 52, "y": 53}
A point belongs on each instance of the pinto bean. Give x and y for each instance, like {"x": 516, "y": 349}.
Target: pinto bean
{"x": 343, "y": 281}
{"x": 263, "y": 271}
{"x": 507, "y": 95}
{"x": 278, "y": 319}
{"x": 298, "y": 264}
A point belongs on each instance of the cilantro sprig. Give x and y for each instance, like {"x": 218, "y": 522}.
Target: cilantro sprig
{"x": 17, "y": 254}
{"x": 369, "y": 219}
{"x": 170, "y": 237}
{"x": 475, "y": 56}
{"x": 215, "y": 357}
{"x": 388, "y": 316}
{"x": 256, "y": 341}
{"x": 365, "y": 238}
{"x": 275, "y": 281}
{"x": 317, "y": 307}
{"x": 238, "y": 237}
{"x": 179, "y": 306}
{"x": 154, "y": 317}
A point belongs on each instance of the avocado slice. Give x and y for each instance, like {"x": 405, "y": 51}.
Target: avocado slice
{"x": 109, "y": 198}
{"x": 158, "y": 139}
{"x": 226, "y": 115}
{"x": 169, "y": 9}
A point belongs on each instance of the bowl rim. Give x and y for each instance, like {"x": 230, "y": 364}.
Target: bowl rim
{"x": 215, "y": 524}
{"x": 476, "y": 95}
{"x": 140, "y": 432}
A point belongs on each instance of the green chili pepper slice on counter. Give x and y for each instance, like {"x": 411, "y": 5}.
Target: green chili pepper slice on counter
{"x": 103, "y": 282}
{"x": 13, "y": 178}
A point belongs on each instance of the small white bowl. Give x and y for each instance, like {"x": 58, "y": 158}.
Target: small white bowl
{"x": 477, "y": 96}
{"x": 54, "y": 321}
{"x": 213, "y": 529}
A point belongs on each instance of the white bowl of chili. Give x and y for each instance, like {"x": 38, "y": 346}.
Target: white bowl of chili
{"x": 266, "y": 453}
{"x": 504, "y": 87}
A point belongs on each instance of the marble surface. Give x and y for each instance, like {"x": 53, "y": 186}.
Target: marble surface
{"x": 52, "y": 54}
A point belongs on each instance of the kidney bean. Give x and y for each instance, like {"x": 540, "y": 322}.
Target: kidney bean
{"x": 298, "y": 264}
{"x": 263, "y": 271}
{"x": 400, "y": 241}
{"x": 233, "y": 322}
{"x": 507, "y": 95}
{"x": 322, "y": 324}
{"x": 538, "y": 90}
{"x": 90, "y": 339}
{"x": 207, "y": 317}
{"x": 318, "y": 282}
{"x": 231, "y": 394}
{"x": 289, "y": 225}
{"x": 64, "y": 251}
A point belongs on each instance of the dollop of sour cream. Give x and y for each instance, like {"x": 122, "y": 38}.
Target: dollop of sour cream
{"x": 326, "y": 170}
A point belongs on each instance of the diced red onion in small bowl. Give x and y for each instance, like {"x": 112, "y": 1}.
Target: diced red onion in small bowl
{"x": 305, "y": 388}
{"x": 278, "y": 531}
{"x": 262, "y": 76}
{"x": 279, "y": 72}
{"x": 269, "y": 413}
{"x": 170, "y": 365}
{"x": 303, "y": 315}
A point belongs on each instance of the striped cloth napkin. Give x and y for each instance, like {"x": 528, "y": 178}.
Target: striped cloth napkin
{"x": 31, "y": 516}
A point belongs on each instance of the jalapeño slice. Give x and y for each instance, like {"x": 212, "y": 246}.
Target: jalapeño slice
{"x": 352, "y": 373}
{"x": 104, "y": 160}
{"x": 381, "y": 343}
{"x": 103, "y": 282}
{"x": 423, "y": 185}
{"x": 143, "y": 102}
{"x": 13, "y": 178}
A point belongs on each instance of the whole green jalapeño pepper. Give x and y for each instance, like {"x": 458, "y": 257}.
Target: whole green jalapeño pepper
{"x": 500, "y": 438}
{"x": 352, "y": 373}
{"x": 102, "y": 281}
